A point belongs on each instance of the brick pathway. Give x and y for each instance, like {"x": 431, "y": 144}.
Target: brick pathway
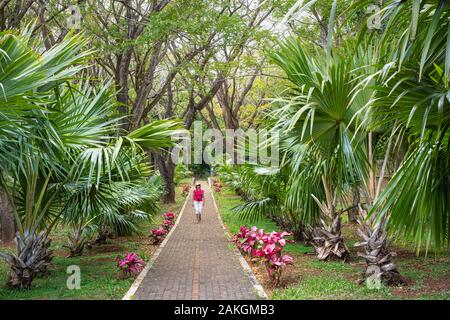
{"x": 196, "y": 262}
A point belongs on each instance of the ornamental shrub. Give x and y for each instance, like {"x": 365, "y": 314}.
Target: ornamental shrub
{"x": 267, "y": 246}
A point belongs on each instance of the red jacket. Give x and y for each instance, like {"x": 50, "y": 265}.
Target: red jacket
{"x": 198, "y": 195}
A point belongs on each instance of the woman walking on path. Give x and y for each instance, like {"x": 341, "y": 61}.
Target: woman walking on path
{"x": 198, "y": 196}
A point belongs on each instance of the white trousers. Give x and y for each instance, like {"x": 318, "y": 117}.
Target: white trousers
{"x": 198, "y": 206}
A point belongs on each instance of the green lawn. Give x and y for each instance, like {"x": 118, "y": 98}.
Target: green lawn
{"x": 100, "y": 278}
{"x": 310, "y": 278}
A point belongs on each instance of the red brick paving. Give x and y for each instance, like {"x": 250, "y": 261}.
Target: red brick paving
{"x": 196, "y": 262}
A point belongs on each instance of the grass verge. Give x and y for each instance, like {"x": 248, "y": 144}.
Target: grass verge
{"x": 310, "y": 278}
{"x": 100, "y": 278}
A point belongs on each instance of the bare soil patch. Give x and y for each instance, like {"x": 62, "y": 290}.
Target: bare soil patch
{"x": 430, "y": 286}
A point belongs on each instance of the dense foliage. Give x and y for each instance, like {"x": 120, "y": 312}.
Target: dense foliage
{"x": 63, "y": 159}
{"x": 356, "y": 115}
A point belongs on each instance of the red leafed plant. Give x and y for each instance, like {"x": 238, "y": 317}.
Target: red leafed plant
{"x": 267, "y": 246}
{"x": 131, "y": 264}
{"x": 157, "y": 235}
{"x": 169, "y": 216}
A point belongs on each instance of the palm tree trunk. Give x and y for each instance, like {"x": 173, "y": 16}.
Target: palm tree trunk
{"x": 376, "y": 253}
{"x": 371, "y": 168}
{"x": 327, "y": 239}
{"x": 375, "y": 239}
{"x": 353, "y": 213}
{"x": 33, "y": 257}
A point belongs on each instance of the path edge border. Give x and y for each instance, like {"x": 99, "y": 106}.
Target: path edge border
{"x": 248, "y": 270}
{"x": 130, "y": 295}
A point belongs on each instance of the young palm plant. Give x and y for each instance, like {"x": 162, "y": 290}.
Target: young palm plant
{"x": 114, "y": 207}
{"x": 268, "y": 187}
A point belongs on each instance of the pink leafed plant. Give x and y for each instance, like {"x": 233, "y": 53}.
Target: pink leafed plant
{"x": 267, "y": 246}
{"x": 157, "y": 235}
{"x": 131, "y": 264}
{"x": 167, "y": 224}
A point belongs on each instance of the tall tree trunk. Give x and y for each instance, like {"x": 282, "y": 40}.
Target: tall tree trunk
{"x": 7, "y": 225}
{"x": 2, "y": 19}
{"x": 167, "y": 169}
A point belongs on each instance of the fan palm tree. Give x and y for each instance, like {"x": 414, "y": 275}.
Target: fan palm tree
{"x": 320, "y": 143}
{"x": 54, "y": 136}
